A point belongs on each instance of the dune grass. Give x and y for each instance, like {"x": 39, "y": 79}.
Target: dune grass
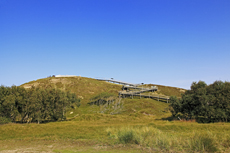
{"x": 85, "y": 88}
{"x": 155, "y": 139}
{"x": 168, "y": 91}
{"x": 117, "y": 133}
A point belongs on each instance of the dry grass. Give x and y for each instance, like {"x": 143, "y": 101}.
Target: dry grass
{"x": 168, "y": 91}
{"x": 85, "y": 88}
{"x": 155, "y": 139}
{"x": 108, "y": 133}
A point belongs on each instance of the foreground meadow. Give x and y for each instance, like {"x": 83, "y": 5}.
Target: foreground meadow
{"x": 118, "y": 125}
{"x": 115, "y": 133}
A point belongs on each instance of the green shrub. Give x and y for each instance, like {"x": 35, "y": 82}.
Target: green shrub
{"x": 145, "y": 136}
{"x": 126, "y": 136}
{"x": 203, "y": 142}
{"x": 4, "y": 120}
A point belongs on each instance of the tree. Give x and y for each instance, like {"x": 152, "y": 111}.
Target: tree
{"x": 212, "y": 102}
{"x": 35, "y": 104}
{"x": 175, "y": 106}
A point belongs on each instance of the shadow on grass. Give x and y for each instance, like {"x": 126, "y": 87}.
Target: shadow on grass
{"x": 171, "y": 118}
{"x": 41, "y": 122}
{"x": 137, "y": 97}
{"x": 197, "y": 119}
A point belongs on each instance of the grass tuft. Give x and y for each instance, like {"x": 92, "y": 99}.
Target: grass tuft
{"x": 154, "y": 138}
{"x": 203, "y": 142}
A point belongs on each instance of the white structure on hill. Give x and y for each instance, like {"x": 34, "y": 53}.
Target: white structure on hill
{"x": 58, "y": 76}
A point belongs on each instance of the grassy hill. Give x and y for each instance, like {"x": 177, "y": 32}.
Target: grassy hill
{"x": 86, "y": 88}
{"x": 168, "y": 91}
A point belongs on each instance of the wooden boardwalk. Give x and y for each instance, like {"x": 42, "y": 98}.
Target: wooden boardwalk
{"x": 138, "y": 90}
{"x": 119, "y": 82}
{"x": 154, "y": 96}
{"x": 143, "y": 89}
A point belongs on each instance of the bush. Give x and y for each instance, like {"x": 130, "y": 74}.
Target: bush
{"x": 126, "y": 136}
{"x": 4, "y": 120}
{"x": 145, "y": 136}
{"x": 203, "y": 142}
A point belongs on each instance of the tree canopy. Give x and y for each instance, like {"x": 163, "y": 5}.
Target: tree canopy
{"x": 209, "y": 102}
{"x": 35, "y": 104}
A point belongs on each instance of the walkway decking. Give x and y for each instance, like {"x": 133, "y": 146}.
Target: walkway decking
{"x": 138, "y": 91}
{"x": 155, "y": 96}
{"x": 144, "y": 89}
{"x": 119, "y": 82}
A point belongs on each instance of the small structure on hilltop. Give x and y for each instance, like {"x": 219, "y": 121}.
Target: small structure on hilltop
{"x": 58, "y": 76}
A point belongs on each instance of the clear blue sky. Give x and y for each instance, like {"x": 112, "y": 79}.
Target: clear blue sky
{"x": 168, "y": 42}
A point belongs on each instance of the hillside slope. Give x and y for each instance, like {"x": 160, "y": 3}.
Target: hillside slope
{"x": 169, "y": 91}
{"x": 86, "y": 88}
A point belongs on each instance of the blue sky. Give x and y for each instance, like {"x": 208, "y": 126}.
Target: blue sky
{"x": 153, "y": 41}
